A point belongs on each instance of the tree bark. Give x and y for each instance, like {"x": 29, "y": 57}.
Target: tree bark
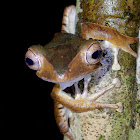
{"x": 106, "y": 124}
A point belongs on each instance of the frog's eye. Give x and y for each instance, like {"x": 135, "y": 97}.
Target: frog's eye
{"x": 32, "y": 60}
{"x": 93, "y": 54}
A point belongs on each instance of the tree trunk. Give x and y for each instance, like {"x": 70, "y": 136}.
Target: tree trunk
{"x": 108, "y": 124}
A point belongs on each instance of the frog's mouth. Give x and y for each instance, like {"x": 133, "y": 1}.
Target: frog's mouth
{"x": 66, "y": 84}
{"x": 69, "y": 77}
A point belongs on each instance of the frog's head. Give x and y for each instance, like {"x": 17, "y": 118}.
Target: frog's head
{"x": 66, "y": 58}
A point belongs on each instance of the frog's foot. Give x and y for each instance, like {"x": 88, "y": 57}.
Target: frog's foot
{"x": 87, "y": 104}
{"x": 116, "y": 67}
{"x": 120, "y": 107}
{"x": 68, "y": 21}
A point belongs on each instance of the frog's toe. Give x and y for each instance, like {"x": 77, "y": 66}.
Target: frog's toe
{"x": 120, "y": 107}
{"x": 116, "y": 67}
{"x": 117, "y": 82}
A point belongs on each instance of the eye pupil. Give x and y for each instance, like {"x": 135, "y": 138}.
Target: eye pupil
{"x": 29, "y": 61}
{"x": 96, "y": 54}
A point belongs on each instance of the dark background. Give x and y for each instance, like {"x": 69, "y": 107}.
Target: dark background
{"x": 30, "y": 103}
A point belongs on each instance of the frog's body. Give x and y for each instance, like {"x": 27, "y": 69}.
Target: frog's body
{"x": 65, "y": 61}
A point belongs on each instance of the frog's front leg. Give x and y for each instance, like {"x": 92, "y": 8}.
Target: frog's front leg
{"x": 62, "y": 116}
{"x": 87, "y": 104}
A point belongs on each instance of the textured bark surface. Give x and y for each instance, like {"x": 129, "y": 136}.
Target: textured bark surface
{"x": 105, "y": 124}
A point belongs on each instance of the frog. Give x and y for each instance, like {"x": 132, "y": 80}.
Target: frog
{"x": 67, "y": 59}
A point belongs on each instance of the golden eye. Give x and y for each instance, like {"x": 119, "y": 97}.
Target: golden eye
{"x": 32, "y": 60}
{"x": 93, "y": 54}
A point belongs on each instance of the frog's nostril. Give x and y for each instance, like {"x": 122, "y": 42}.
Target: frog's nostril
{"x": 29, "y": 61}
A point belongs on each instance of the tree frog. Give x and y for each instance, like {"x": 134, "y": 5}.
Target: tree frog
{"x": 66, "y": 60}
